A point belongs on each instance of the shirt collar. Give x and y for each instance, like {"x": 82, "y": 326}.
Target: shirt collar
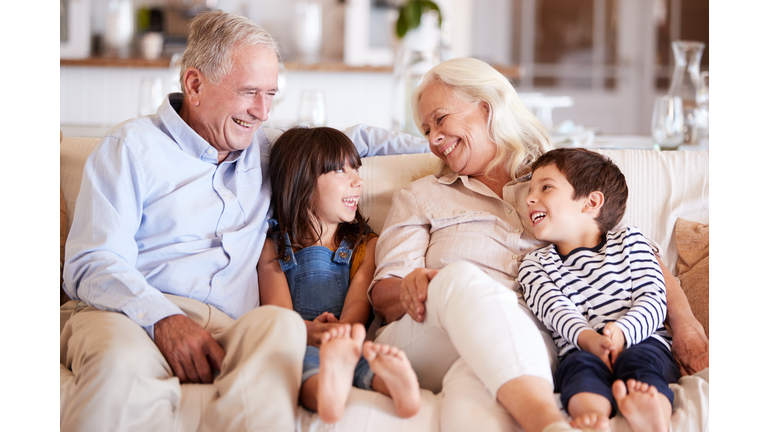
{"x": 185, "y": 137}
{"x": 452, "y": 177}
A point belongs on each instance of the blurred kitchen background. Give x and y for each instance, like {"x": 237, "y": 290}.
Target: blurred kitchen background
{"x": 581, "y": 64}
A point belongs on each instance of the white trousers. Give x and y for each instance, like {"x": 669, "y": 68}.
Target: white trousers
{"x": 123, "y": 382}
{"x": 475, "y": 327}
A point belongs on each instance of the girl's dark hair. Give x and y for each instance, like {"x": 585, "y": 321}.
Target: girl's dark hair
{"x": 297, "y": 159}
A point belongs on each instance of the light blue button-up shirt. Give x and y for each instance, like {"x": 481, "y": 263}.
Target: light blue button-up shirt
{"x": 157, "y": 214}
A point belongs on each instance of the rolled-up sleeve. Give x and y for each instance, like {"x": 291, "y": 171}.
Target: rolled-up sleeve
{"x": 374, "y": 141}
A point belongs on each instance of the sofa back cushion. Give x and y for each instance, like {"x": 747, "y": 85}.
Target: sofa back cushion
{"x": 663, "y": 186}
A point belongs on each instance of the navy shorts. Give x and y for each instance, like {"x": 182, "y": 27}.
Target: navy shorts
{"x": 650, "y": 362}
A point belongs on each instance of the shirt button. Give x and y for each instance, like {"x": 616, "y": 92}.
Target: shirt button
{"x": 517, "y": 230}
{"x": 140, "y": 315}
{"x": 462, "y": 212}
{"x": 509, "y": 211}
{"x": 210, "y": 151}
{"x": 515, "y": 256}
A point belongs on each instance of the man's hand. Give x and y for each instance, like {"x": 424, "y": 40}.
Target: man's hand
{"x": 597, "y": 344}
{"x": 191, "y": 351}
{"x": 318, "y": 326}
{"x": 616, "y": 336}
{"x": 690, "y": 348}
{"x": 413, "y": 292}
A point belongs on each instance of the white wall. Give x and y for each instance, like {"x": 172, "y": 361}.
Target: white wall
{"x": 103, "y": 97}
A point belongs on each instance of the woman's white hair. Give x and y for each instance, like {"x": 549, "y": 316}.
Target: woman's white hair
{"x": 215, "y": 37}
{"x": 519, "y": 136}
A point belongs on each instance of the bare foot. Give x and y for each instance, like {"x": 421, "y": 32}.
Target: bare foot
{"x": 391, "y": 365}
{"x": 644, "y": 407}
{"x": 339, "y": 353}
{"x": 591, "y": 422}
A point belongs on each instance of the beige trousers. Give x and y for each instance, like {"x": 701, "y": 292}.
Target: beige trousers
{"x": 122, "y": 381}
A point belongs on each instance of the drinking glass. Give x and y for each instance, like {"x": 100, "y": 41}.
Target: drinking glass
{"x": 702, "y": 110}
{"x": 282, "y": 83}
{"x": 312, "y": 108}
{"x": 667, "y": 123}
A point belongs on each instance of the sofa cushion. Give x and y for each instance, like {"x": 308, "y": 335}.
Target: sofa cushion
{"x": 63, "y": 298}
{"x": 692, "y": 240}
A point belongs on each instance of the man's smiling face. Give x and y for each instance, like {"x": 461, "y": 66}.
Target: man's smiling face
{"x": 228, "y": 113}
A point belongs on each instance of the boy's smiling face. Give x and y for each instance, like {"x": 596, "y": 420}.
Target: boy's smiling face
{"x": 558, "y": 218}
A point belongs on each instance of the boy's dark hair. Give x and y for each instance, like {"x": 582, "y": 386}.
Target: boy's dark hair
{"x": 587, "y": 172}
{"x": 298, "y": 157}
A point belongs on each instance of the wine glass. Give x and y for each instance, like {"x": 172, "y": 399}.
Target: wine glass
{"x": 312, "y": 108}
{"x": 667, "y": 122}
{"x": 282, "y": 82}
{"x": 282, "y": 91}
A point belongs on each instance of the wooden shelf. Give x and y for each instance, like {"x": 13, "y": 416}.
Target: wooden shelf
{"x": 511, "y": 72}
{"x": 117, "y": 62}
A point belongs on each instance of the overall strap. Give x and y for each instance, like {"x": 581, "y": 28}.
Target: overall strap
{"x": 343, "y": 254}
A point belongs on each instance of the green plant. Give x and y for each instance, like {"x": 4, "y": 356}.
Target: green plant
{"x": 410, "y": 15}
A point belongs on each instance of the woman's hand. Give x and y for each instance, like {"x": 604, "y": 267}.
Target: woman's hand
{"x": 413, "y": 292}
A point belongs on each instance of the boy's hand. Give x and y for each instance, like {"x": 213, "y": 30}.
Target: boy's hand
{"x": 614, "y": 333}
{"x": 597, "y": 344}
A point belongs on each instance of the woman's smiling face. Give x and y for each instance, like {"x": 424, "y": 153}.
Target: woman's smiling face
{"x": 457, "y": 130}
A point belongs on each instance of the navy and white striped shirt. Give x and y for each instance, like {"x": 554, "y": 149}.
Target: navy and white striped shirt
{"x": 618, "y": 280}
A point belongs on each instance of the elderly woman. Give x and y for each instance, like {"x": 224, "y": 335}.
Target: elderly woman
{"x": 449, "y": 252}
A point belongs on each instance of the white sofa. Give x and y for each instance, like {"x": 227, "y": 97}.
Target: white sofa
{"x": 663, "y": 186}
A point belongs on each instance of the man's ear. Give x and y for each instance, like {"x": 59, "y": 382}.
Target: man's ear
{"x": 193, "y": 82}
{"x": 595, "y": 201}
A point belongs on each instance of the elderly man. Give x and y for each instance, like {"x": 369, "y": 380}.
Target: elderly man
{"x": 161, "y": 258}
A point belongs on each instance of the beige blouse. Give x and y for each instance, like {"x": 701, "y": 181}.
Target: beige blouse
{"x": 434, "y": 222}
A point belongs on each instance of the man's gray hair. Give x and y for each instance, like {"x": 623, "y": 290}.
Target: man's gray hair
{"x": 214, "y": 36}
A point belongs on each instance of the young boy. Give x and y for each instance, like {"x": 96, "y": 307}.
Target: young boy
{"x": 600, "y": 292}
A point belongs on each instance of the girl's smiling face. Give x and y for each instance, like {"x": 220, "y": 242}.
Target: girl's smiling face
{"x": 336, "y": 197}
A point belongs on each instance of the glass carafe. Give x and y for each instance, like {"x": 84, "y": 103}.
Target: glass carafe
{"x": 685, "y": 82}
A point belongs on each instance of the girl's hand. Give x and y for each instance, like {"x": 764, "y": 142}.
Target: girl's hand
{"x": 318, "y": 326}
{"x": 413, "y": 292}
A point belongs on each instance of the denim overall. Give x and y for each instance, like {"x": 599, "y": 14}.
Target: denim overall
{"x": 319, "y": 280}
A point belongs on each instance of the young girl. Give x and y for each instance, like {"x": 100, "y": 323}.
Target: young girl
{"x": 318, "y": 260}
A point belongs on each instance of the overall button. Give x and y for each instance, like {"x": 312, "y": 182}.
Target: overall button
{"x": 343, "y": 254}
{"x": 287, "y": 259}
